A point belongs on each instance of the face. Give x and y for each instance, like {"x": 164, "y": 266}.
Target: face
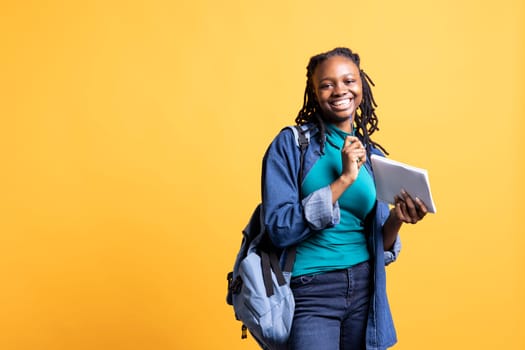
{"x": 338, "y": 89}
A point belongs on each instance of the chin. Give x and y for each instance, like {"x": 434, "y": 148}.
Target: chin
{"x": 334, "y": 118}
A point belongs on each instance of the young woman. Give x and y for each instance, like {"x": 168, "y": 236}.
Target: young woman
{"x": 344, "y": 236}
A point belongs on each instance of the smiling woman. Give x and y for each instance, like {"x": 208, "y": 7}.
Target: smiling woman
{"x": 343, "y": 234}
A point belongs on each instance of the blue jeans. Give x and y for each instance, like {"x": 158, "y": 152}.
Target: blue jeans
{"x": 331, "y": 309}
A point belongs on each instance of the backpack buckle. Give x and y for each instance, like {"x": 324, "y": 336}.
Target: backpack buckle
{"x": 234, "y": 285}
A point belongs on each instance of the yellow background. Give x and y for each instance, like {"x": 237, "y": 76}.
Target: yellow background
{"x": 131, "y": 140}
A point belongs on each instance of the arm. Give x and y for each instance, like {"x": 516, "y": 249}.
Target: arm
{"x": 406, "y": 210}
{"x": 390, "y": 231}
{"x": 288, "y": 218}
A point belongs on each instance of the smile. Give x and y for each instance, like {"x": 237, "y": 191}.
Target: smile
{"x": 341, "y": 103}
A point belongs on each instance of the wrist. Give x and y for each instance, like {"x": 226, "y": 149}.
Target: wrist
{"x": 346, "y": 180}
{"x": 394, "y": 219}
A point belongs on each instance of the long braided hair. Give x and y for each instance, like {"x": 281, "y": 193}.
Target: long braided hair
{"x": 365, "y": 118}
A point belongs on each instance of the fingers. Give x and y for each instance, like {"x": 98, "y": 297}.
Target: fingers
{"x": 410, "y": 207}
{"x": 421, "y": 208}
{"x": 399, "y": 209}
{"x": 409, "y": 210}
{"x": 354, "y": 150}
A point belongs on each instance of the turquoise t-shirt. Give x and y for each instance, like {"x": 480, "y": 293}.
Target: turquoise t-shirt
{"x": 343, "y": 245}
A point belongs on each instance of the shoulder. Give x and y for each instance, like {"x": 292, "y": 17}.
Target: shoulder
{"x": 285, "y": 137}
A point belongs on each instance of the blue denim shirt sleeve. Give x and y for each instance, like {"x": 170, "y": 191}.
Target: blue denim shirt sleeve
{"x": 382, "y": 212}
{"x": 392, "y": 254}
{"x": 288, "y": 218}
{"x": 319, "y": 210}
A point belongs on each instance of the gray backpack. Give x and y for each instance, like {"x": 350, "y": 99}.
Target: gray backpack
{"x": 258, "y": 289}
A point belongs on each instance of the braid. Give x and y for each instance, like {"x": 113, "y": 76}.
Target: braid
{"x": 365, "y": 117}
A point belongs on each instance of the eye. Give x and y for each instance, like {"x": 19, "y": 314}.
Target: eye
{"x": 325, "y": 86}
{"x": 349, "y": 81}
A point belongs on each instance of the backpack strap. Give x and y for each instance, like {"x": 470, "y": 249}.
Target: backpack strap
{"x": 269, "y": 263}
{"x": 290, "y": 259}
{"x": 301, "y": 133}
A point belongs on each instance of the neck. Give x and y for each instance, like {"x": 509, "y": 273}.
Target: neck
{"x": 346, "y": 125}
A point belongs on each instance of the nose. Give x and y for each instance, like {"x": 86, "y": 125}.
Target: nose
{"x": 340, "y": 89}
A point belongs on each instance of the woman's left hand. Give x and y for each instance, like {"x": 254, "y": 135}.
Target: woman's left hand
{"x": 408, "y": 210}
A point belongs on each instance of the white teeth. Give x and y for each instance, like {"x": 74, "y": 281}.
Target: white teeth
{"x": 341, "y": 103}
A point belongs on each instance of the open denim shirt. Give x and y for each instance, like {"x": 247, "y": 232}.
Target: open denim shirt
{"x": 289, "y": 220}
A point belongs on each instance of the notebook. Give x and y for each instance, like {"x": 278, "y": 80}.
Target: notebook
{"x": 392, "y": 176}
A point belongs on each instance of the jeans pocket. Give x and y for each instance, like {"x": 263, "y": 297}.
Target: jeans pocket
{"x": 302, "y": 281}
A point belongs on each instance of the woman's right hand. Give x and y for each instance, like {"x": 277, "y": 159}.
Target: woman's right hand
{"x": 353, "y": 155}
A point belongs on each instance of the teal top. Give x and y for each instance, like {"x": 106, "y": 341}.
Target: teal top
{"x": 344, "y": 244}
